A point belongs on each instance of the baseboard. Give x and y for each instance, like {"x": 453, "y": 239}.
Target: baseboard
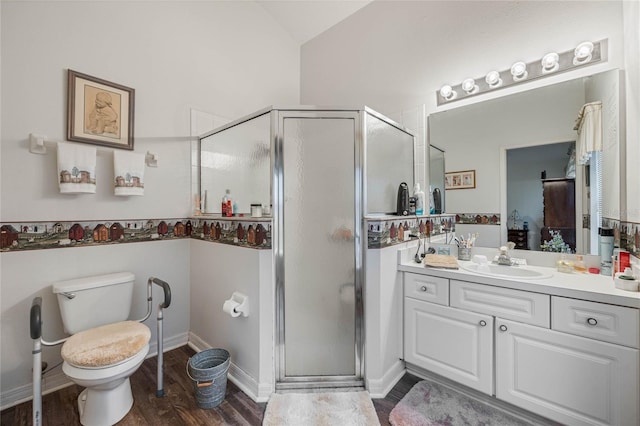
{"x": 480, "y": 396}
{"x": 381, "y": 387}
{"x": 168, "y": 344}
{"x": 247, "y": 384}
{"x": 58, "y": 380}
{"x": 24, "y": 393}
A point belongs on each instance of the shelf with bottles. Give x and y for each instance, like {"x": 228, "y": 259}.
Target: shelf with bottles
{"x": 244, "y": 217}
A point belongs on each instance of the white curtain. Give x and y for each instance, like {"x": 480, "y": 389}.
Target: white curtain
{"x": 589, "y": 127}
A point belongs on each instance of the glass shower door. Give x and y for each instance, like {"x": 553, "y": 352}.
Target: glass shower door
{"x": 316, "y": 263}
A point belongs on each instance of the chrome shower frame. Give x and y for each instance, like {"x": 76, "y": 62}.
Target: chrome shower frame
{"x": 277, "y": 114}
{"x": 283, "y": 381}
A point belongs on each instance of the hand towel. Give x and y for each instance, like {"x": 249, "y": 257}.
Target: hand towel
{"x": 589, "y": 127}
{"x": 76, "y": 168}
{"x": 128, "y": 168}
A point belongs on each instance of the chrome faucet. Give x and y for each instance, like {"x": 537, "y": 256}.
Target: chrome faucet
{"x": 503, "y": 257}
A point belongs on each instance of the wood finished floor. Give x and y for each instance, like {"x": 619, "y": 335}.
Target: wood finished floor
{"x": 178, "y": 406}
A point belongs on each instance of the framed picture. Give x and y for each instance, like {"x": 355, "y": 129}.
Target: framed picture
{"x": 99, "y": 112}
{"x": 465, "y": 179}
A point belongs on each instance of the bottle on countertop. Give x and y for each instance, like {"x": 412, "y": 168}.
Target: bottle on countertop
{"x": 579, "y": 265}
{"x": 606, "y": 240}
{"x": 227, "y": 207}
{"x": 419, "y": 195}
{"x": 564, "y": 265}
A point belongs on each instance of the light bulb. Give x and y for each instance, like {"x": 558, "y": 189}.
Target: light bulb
{"x": 550, "y": 62}
{"x": 519, "y": 71}
{"x": 493, "y": 79}
{"x": 582, "y": 53}
{"x": 469, "y": 86}
{"x": 447, "y": 92}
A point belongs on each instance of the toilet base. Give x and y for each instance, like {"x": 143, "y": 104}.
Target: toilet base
{"x": 98, "y": 407}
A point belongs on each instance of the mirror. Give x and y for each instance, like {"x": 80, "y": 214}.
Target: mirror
{"x": 483, "y": 136}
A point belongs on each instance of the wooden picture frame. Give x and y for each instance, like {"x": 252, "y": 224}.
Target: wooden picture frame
{"x": 99, "y": 112}
{"x": 464, "y": 179}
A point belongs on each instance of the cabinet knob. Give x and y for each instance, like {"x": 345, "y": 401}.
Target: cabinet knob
{"x": 482, "y": 323}
{"x": 423, "y": 288}
{"x": 592, "y": 321}
{"x": 503, "y": 327}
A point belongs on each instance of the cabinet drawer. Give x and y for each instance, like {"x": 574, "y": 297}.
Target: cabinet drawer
{"x": 516, "y": 305}
{"x": 609, "y": 323}
{"x": 424, "y": 287}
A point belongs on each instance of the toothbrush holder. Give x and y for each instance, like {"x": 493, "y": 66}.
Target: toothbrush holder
{"x": 464, "y": 253}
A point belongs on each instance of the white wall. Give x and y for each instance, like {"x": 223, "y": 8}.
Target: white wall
{"x": 227, "y": 58}
{"x": 394, "y": 56}
{"x": 26, "y": 275}
{"x": 217, "y": 270}
{"x": 383, "y": 309}
{"x": 206, "y": 55}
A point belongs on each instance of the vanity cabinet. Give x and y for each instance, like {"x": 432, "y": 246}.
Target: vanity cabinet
{"x": 570, "y": 379}
{"x": 573, "y": 361}
{"x": 451, "y": 342}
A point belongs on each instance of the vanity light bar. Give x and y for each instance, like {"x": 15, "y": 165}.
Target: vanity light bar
{"x": 586, "y": 53}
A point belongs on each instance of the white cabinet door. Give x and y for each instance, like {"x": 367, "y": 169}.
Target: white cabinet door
{"x": 453, "y": 343}
{"x": 570, "y": 379}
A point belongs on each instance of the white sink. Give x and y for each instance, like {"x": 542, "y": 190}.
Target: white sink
{"x": 501, "y": 271}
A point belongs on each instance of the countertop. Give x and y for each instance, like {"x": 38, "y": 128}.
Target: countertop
{"x": 596, "y": 288}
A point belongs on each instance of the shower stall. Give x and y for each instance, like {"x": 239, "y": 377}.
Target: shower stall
{"x": 319, "y": 171}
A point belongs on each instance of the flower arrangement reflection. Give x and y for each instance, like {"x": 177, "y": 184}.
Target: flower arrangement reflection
{"x": 555, "y": 244}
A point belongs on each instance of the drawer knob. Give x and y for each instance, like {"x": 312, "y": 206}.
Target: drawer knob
{"x": 482, "y": 323}
{"x": 503, "y": 327}
{"x": 592, "y": 321}
{"x": 423, "y": 288}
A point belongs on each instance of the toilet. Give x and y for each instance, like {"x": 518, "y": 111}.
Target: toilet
{"x": 105, "y": 349}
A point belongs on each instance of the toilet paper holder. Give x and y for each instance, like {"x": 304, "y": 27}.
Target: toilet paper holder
{"x": 239, "y": 303}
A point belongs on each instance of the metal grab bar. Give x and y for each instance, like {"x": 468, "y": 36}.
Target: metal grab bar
{"x": 167, "y": 291}
{"x": 35, "y": 318}
{"x": 35, "y": 326}
{"x": 165, "y": 304}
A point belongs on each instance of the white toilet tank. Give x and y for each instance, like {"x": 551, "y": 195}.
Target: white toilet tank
{"x": 93, "y": 301}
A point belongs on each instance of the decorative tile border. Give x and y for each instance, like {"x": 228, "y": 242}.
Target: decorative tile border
{"x": 20, "y": 236}
{"x": 242, "y": 232}
{"x": 388, "y": 232}
{"x": 626, "y": 235}
{"x": 478, "y": 218}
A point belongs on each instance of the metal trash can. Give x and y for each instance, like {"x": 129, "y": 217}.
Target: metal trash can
{"x": 208, "y": 371}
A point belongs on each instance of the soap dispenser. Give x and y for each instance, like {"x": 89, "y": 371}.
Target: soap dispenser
{"x": 419, "y": 195}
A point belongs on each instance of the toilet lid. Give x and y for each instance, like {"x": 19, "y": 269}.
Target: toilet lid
{"x": 105, "y": 345}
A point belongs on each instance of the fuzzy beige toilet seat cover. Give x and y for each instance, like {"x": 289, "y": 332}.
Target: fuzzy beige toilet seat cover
{"x": 105, "y": 345}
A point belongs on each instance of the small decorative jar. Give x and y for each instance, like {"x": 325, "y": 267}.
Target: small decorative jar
{"x": 256, "y": 210}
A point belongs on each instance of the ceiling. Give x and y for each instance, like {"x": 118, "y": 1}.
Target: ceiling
{"x": 305, "y": 19}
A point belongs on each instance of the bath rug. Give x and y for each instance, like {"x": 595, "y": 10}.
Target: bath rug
{"x": 321, "y": 409}
{"x": 431, "y": 404}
